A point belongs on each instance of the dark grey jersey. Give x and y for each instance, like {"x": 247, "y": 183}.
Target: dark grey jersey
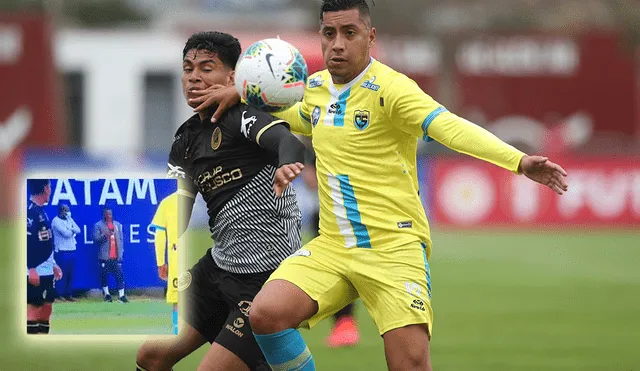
{"x": 253, "y": 229}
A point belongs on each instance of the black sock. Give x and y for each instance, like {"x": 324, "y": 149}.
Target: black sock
{"x": 44, "y": 327}
{"x": 33, "y": 327}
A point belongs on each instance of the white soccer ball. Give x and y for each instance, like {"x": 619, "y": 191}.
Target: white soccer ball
{"x": 271, "y": 75}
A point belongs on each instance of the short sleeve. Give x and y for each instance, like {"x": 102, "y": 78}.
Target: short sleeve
{"x": 178, "y": 167}
{"x": 253, "y": 123}
{"x": 159, "y": 219}
{"x": 410, "y": 109}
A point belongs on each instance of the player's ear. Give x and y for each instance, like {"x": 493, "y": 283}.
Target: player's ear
{"x": 231, "y": 78}
{"x": 372, "y": 37}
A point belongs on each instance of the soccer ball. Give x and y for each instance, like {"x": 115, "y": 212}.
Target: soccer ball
{"x": 271, "y": 75}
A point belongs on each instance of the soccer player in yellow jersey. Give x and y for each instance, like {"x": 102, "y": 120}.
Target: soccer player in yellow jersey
{"x": 374, "y": 242}
{"x": 165, "y": 222}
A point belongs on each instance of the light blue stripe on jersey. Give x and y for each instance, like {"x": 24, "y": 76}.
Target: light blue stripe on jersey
{"x": 338, "y": 120}
{"x": 353, "y": 214}
{"x": 428, "y": 120}
{"x": 158, "y": 227}
{"x": 427, "y": 269}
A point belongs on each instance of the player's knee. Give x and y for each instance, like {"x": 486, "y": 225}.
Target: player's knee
{"x": 268, "y": 318}
{"x": 413, "y": 357}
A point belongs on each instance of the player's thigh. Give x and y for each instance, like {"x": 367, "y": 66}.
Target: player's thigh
{"x": 395, "y": 285}
{"x": 319, "y": 269}
{"x": 35, "y": 297}
{"x": 236, "y": 348}
{"x": 48, "y": 284}
{"x": 204, "y": 307}
{"x": 407, "y": 348}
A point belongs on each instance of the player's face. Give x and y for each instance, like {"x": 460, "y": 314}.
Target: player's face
{"x": 47, "y": 191}
{"x": 346, "y": 40}
{"x": 202, "y": 69}
{"x": 108, "y": 216}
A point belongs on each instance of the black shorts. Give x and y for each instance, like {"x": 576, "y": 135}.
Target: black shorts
{"x": 44, "y": 293}
{"x": 218, "y": 304}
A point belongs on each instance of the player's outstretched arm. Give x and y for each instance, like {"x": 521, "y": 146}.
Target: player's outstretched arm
{"x": 222, "y": 95}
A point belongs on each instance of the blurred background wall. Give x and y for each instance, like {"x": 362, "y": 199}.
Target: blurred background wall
{"x": 97, "y": 82}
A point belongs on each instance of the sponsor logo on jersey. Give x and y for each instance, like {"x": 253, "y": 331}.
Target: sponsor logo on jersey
{"x": 370, "y": 85}
{"x": 335, "y": 109}
{"x": 315, "y": 116}
{"x": 216, "y": 138}
{"x": 209, "y": 181}
{"x": 316, "y": 82}
{"x": 361, "y": 119}
{"x": 175, "y": 172}
{"x": 247, "y": 124}
{"x": 184, "y": 281}
{"x": 405, "y": 224}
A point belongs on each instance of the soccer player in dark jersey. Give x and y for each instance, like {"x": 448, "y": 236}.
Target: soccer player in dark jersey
{"x": 241, "y": 165}
{"x": 41, "y": 266}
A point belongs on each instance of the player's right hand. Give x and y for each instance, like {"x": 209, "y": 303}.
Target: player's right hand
{"x": 224, "y": 96}
{"x": 284, "y": 175}
{"x": 34, "y": 277}
{"x": 162, "y": 272}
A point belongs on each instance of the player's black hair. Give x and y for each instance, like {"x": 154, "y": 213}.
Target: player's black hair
{"x": 338, "y": 5}
{"x": 62, "y": 206}
{"x": 225, "y": 46}
{"x": 37, "y": 186}
{"x": 105, "y": 209}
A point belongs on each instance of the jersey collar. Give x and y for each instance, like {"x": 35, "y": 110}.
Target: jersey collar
{"x": 336, "y": 92}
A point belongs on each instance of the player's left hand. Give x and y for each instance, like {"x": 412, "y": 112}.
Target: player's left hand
{"x": 57, "y": 273}
{"x": 284, "y": 175}
{"x": 224, "y": 96}
{"x": 543, "y": 171}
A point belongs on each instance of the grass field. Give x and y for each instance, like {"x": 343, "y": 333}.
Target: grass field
{"x": 502, "y": 301}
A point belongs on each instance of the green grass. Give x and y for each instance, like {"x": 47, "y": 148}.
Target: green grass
{"x": 502, "y": 301}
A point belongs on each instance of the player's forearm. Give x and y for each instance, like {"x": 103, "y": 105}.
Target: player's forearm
{"x": 468, "y": 138}
{"x": 279, "y": 140}
{"x": 160, "y": 245}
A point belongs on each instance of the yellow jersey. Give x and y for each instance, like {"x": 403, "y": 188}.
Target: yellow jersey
{"x": 365, "y": 135}
{"x": 165, "y": 222}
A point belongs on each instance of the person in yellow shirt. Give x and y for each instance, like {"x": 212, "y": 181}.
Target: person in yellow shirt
{"x": 165, "y": 222}
{"x": 365, "y": 120}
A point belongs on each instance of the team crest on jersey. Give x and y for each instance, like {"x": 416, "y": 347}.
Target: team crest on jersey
{"x": 361, "y": 119}
{"x": 316, "y": 82}
{"x": 315, "y": 116}
{"x": 370, "y": 85}
{"x": 216, "y": 138}
{"x": 184, "y": 281}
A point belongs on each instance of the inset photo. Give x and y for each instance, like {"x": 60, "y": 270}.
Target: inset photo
{"x": 101, "y": 256}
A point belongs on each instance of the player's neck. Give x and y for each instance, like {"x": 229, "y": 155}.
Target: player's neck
{"x": 38, "y": 200}
{"x": 207, "y": 113}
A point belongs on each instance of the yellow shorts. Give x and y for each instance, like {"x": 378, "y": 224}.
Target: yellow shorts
{"x": 394, "y": 283}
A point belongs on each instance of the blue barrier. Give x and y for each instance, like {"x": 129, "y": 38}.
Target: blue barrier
{"x": 133, "y": 202}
